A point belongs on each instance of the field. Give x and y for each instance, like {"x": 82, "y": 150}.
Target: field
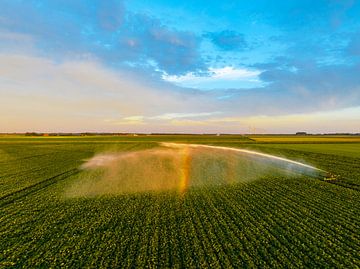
{"x": 274, "y": 220}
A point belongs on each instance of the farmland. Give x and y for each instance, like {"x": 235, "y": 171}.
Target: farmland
{"x": 274, "y": 221}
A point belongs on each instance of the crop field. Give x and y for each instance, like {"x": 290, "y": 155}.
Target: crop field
{"x": 135, "y": 201}
{"x": 306, "y": 138}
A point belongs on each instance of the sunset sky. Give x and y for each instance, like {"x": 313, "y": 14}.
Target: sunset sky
{"x": 180, "y": 66}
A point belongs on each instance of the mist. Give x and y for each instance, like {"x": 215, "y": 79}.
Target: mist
{"x": 179, "y": 167}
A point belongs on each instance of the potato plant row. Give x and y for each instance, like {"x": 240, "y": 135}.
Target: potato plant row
{"x": 272, "y": 222}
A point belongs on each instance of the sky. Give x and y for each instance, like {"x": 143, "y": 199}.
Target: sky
{"x": 180, "y": 66}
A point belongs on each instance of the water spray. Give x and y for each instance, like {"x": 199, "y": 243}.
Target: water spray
{"x": 178, "y": 145}
{"x": 177, "y": 166}
{"x": 323, "y": 174}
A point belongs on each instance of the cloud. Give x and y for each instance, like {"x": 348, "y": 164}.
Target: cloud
{"x": 343, "y": 120}
{"x": 217, "y": 78}
{"x": 175, "y": 52}
{"x": 39, "y": 94}
{"x": 127, "y": 121}
{"x": 104, "y": 30}
{"x": 319, "y": 122}
{"x": 167, "y": 119}
{"x": 228, "y": 40}
{"x": 296, "y": 87}
{"x": 171, "y": 116}
{"x": 98, "y": 65}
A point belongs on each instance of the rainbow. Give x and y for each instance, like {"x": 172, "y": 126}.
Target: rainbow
{"x": 185, "y": 169}
{"x": 186, "y": 160}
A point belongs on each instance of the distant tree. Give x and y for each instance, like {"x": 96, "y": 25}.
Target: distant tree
{"x": 33, "y": 134}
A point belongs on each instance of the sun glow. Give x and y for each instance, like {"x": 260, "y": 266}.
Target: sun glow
{"x": 185, "y": 169}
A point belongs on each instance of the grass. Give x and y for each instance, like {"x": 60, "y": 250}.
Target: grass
{"x": 339, "y": 149}
{"x": 125, "y": 139}
{"x": 306, "y": 138}
{"x": 339, "y": 159}
{"x": 274, "y": 221}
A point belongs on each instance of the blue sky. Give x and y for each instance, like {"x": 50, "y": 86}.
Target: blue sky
{"x": 180, "y": 66}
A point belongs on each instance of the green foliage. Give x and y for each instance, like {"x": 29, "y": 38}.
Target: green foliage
{"x": 275, "y": 221}
{"x": 341, "y": 160}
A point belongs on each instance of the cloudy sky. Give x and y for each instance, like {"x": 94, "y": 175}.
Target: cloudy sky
{"x": 180, "y": 66}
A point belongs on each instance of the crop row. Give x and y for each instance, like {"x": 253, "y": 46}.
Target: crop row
{"x": 272, "y": 222}
{"x": 260, "y": 224}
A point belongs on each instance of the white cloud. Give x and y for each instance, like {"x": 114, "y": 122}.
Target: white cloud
{"x": 341, "y": 120}
{"x": 167, "y": 118}
{"x": 226, "y": 77}
{"x": 134, "y": 118}
{"x": 229, "y": 72}
{"x": 170, "y": 116}
{"x": 39, "y": 94}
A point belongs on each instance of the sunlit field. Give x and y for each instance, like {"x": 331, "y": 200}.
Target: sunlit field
{"x": 179, "y": 134}
{"x": 306, "y": 138}
{"x": 124, "y": 201}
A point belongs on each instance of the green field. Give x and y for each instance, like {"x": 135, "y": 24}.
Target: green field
{"x": 275, "y": 220}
